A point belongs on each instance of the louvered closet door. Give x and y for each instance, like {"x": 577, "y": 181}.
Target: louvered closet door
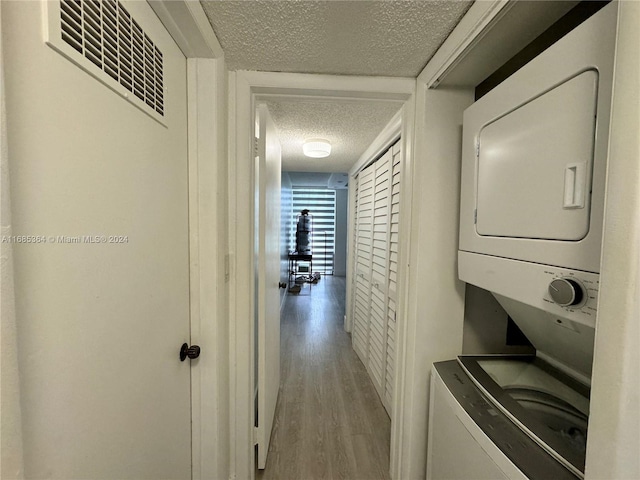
{"x": 377, "y": 222}
{"x": 379, "y": 260}
{"x": 392, "y": 282}
{"x": 364, "y": 240}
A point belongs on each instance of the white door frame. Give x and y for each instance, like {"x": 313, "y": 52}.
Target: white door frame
{"x": 245, "y": 89}
{"x": 207, "y": 246}
{"x": 207, "y": 159}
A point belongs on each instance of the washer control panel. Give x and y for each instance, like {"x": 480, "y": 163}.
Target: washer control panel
{"x": 562, "y": 292}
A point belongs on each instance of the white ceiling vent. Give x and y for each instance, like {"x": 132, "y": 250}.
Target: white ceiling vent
{"x": 106, "y": 41}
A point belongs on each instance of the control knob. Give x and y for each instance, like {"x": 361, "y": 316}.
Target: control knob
{"x": 566, "y": 292}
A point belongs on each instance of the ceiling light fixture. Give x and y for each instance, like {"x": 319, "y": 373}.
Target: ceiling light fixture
{"x": 317, "y": 148}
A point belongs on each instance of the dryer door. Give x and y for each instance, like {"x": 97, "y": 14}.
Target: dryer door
{"x": 535, "y": 165}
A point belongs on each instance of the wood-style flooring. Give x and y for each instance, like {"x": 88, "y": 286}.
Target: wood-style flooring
{"x": 330, "y": 422}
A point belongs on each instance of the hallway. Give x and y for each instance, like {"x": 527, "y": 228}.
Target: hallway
{"x": 330, "y": 423}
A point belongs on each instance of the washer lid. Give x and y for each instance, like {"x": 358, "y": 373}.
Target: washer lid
{"x": 548, "y": 405}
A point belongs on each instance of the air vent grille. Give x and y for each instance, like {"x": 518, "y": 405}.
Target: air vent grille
{"x": 105, "y": 34}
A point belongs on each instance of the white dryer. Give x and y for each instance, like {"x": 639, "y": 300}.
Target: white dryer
{"x": 532, "y": 191}
{"x": 533, "y": 187}
{"x": 535, "y": 153}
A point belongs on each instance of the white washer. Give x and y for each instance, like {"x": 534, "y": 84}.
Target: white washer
{"x": 471, "y": 436}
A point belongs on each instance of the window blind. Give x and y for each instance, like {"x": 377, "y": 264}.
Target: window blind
{"x": 321, "y": 203}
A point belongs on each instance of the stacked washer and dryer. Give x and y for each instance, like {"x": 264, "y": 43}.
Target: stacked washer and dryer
{"x": 533, "y": 190}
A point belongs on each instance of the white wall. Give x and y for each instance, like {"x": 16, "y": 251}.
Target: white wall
{"x": 340, "y": 255}
{"x": 434, "y": 317}
{"x": 614, "y": 422}
{"x": 11, "y": 454}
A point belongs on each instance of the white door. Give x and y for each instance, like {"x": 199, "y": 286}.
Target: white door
{"x": 103, "y": 392}
{"x": 268, "y": 294}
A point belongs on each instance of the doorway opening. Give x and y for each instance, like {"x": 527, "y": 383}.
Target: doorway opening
{"x": 251, "y": 89}
{"x": 355, "y": 384}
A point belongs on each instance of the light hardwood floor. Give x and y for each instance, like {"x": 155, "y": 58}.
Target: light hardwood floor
{"x": 330, "y": 423}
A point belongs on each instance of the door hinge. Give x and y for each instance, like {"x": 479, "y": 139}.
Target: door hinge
{"x": 255, "y": 146}
{"x": 475, "y": 216}
{"x": 255, "y": 435}
{"x": 478, "y": 149}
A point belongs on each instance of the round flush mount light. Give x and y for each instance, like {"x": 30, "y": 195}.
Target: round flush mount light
{"x": 316, "y": 148}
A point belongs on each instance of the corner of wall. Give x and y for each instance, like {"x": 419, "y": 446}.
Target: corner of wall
{"x": 11, "y": 454}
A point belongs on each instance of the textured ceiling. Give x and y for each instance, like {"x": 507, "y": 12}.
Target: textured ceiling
{"x": 350, "y": 127}
{"x": 362, "y": 37}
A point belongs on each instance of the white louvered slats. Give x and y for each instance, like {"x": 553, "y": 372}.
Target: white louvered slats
{"x": 363, "y": 243}
{"x": 377, "y": 334}
{"x": 380, "y": 221}
{"x": 104, "y": 39}
{"x": 392, "y": 282}
{"x": 377, "y": 314}
{"x": 374, "y": 302}
{"x": 360, "y": 336}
